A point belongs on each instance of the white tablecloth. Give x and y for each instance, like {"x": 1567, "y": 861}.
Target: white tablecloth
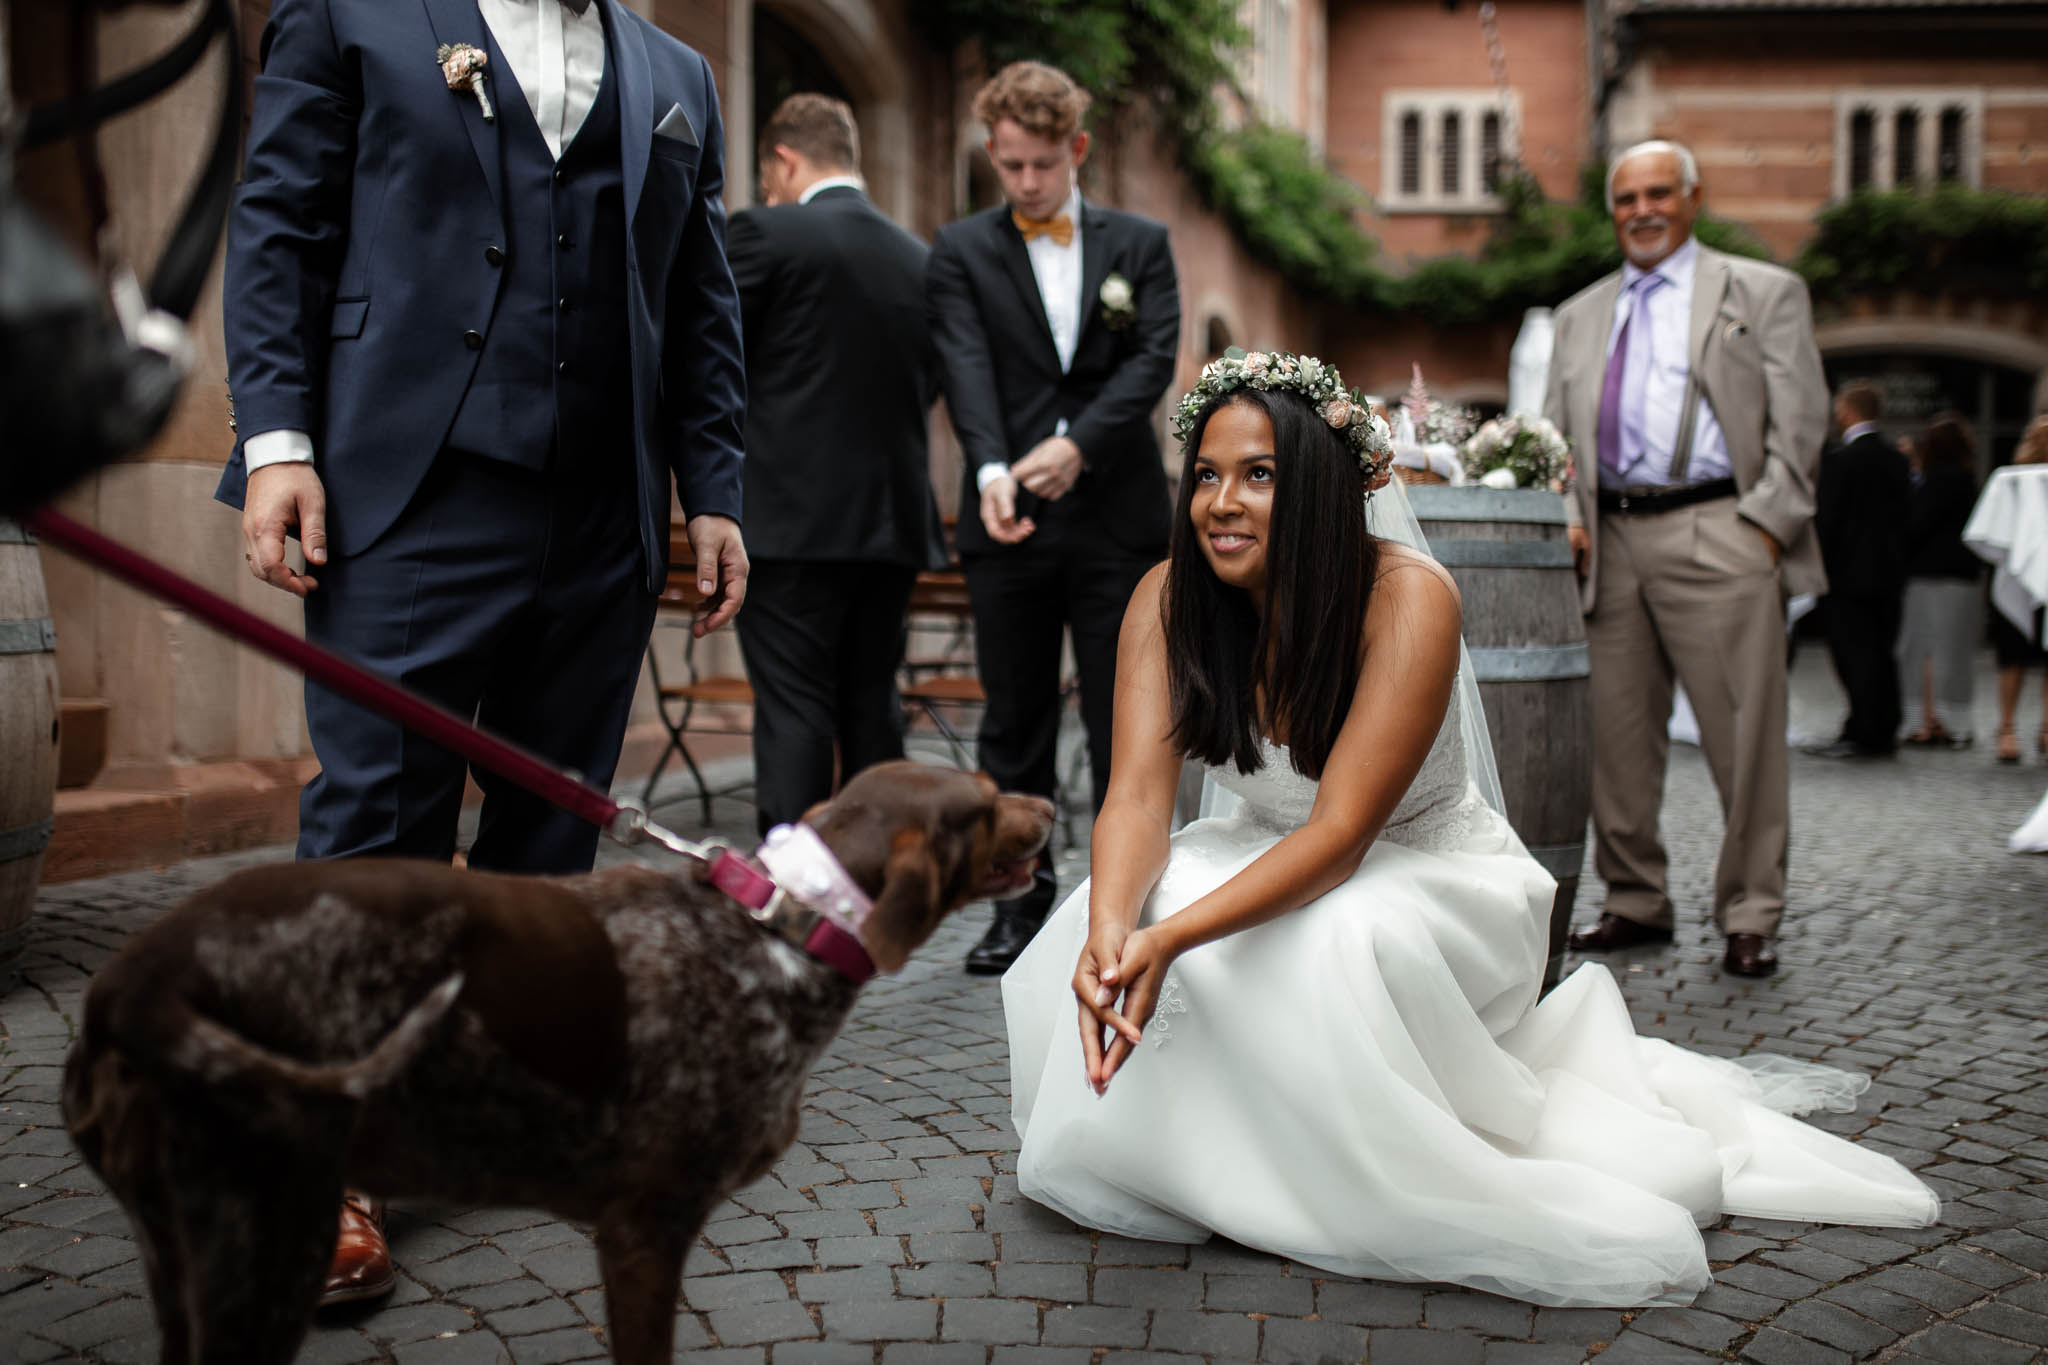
{"x": 1438, "y": 457}
{"x": 2009, "y": 528}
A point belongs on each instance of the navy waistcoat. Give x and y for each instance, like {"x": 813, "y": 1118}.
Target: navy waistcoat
{"x": 555, "y": 370}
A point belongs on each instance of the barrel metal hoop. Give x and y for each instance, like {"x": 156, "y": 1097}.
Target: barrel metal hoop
{"x": 25, "y": 841}
{"x": 38, "y": 636}
{"x": 1560, "y": 860}
{"x": 1486, "y": 504}
{"x": 1501, "y": 554}
{"x": 14, "y": 533}
{"x": 1530, "y": 663}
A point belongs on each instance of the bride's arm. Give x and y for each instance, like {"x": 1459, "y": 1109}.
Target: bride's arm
{"x": 1127, "y": 850}
{"x": 1404, "y": 689}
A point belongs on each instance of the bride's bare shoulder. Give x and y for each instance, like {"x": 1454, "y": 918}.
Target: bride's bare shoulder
{"x": 1409, "y": 574}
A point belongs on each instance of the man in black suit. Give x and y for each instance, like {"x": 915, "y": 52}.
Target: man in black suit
{"x": 1057, "y": 324}
{"x": 1865, "y": 500}
{"x": 838, "y": 488}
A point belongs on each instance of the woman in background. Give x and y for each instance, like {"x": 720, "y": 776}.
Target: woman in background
{"x": 1939, "y": 630}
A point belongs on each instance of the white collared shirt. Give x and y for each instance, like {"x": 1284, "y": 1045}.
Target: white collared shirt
{"x": 557, "y": 58}
{"x": 831, "y": 182}
{"x": 1669, "y": 310}
{"x": 1858, "y": 432}
{"x": 557, "y": 61}
{"x": 1058, "y": 272}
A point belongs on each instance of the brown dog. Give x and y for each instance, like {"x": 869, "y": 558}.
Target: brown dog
{"x": 624, "y": 1048}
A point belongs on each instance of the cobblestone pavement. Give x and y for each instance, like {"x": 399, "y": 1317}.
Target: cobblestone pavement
{"x": 893, "y": 1234}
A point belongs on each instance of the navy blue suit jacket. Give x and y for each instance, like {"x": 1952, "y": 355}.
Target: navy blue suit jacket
{"x": 356, "y": 258}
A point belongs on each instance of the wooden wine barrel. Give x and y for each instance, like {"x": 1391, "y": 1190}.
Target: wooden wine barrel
{"x": 28, "y": 735}
{"x": 1509, "y": 554}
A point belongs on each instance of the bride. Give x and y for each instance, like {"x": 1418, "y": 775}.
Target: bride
{"x": 1312, "y": 1026}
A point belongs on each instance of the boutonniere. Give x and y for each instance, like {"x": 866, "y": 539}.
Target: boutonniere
{"x": 462, "y": 66}
{"x": 1735, "y": 329}
{"x": 1119, "y": 303}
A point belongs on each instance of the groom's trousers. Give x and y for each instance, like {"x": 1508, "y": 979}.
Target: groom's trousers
{"x": 1690, "y": 594}
{"x": 512, "y": 595}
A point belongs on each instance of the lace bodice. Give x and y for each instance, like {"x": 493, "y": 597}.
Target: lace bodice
{"x": 1436, "y": 811}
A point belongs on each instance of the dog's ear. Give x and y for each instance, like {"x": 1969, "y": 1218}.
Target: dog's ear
{"x": 909, "y": 907}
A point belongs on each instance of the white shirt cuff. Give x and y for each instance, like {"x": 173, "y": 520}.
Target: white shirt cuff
{"x": 276, "y": 447}
{"x": 988, "y": 474}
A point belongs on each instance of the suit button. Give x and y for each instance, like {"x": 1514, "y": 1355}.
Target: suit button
{"x": 564, "y": 242}
{"x": 474, "y": 340}
{"x": 493, "y": 256}
{"x": 558, "y": 175}
{"x": 561, "y": 367}
{"x": 565, "y": 305}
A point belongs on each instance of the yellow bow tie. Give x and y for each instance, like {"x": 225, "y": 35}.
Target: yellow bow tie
{"x": 1059, "y": 227}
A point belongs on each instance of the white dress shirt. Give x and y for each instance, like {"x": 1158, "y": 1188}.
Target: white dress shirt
{"x": 1058, "y": 272}
{"x": 831, "y": 182}
{"x": 1669, "y": 310}
{"x": 557, "y": 61}
{"x": 1859, "y": 431}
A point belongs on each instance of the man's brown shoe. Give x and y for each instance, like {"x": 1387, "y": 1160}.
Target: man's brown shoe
{"x": 361, "y": 1268}
{"x": 1749, "y": 955}
{"x": 1615, "y": 932}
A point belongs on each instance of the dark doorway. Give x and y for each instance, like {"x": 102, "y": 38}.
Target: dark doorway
{"x": 785, "y": 63}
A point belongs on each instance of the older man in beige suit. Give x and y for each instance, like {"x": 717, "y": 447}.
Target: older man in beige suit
{"x": 1692, "y": 391}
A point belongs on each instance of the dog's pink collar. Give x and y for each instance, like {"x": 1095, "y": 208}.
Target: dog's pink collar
{"x": 804, "y": 897}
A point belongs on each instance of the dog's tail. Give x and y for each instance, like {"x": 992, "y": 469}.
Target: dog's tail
{"x": 217, "y": 1054}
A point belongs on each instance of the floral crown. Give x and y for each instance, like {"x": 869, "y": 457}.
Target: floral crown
{"x": 1367, "y": 433}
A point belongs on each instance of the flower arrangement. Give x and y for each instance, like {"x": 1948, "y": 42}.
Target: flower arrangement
{"x": 1436, "y": 421}
{"x": 1519, "y": 451}
{"x": 1346, "y": 411}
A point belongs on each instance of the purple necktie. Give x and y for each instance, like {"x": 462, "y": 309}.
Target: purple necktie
{"x": 1608, "y": 438}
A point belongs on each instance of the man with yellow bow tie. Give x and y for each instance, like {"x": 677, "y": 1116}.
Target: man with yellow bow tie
{"x": 1057, "y": 322}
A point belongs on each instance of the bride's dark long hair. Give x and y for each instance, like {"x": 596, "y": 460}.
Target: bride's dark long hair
{"x": 1303, "y": 651}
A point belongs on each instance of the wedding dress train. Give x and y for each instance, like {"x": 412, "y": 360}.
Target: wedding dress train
{"x": 1367, "y": 1084}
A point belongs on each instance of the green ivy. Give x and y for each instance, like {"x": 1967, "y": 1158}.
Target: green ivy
{"x": 1950, "y": 238}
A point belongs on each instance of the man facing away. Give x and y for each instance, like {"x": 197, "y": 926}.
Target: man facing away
{"x": 478, "y": 312}
{"x": 1694, "y": 379}
{"x": 1865, "y": 504}
{"x": 838, "y": 486}
{"x": 1057, "y": 322}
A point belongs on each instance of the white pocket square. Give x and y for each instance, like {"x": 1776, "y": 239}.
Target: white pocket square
{"x": 675, "y": 124}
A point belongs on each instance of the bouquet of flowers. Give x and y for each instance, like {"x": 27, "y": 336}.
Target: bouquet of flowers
{"x": 1519, "y": 451}
{"x": 1436, "y": 421}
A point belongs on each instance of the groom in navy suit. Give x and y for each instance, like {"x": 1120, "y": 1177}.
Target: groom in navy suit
{"x": 478, "y": 312}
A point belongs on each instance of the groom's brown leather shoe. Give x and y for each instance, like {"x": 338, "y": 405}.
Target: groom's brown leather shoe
{"x": 361, "y": 1268}
{"x": 1615, "y": 932}
{"x": 1749, "y": 955}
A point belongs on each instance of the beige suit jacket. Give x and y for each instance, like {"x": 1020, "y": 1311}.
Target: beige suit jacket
{"x": 1752, "y": 350}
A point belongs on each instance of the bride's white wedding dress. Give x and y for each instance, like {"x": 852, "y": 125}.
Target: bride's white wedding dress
{"x": 1367, "y": 1084}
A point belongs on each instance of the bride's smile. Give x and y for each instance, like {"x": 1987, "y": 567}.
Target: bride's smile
{"x": 1233, "y": 499}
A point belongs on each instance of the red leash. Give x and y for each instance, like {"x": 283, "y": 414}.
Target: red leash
{"x": 625, "y": 822}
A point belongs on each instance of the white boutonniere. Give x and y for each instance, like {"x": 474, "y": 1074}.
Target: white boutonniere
{"x": 462, "y": 66}
{"x": 1119, "y": 303}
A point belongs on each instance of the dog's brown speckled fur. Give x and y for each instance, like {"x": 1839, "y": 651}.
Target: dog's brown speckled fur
{"x": 623, "y": 1048}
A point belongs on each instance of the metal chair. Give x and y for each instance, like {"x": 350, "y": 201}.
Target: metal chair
{"x": 676, "y": 703}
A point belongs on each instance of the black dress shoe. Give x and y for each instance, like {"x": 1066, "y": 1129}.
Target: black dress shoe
{"x": 1005, "y": 940}
{"x": 1749, "y": 955}
{"x": 1843, "y": 748}
{"x": 1615, "y": 932}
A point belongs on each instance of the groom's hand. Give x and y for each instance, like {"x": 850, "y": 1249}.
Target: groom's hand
{"x": 999, "y": 513}
{"x": 283, "y": 498}
{"x": 721, "y": 571}
{"x": 1050, "y": 468}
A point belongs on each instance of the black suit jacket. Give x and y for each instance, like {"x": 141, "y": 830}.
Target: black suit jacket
{"x": 840, "y": 378}
{"x": 1006, "y": 392}
{"x": 1865, "y": 503}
